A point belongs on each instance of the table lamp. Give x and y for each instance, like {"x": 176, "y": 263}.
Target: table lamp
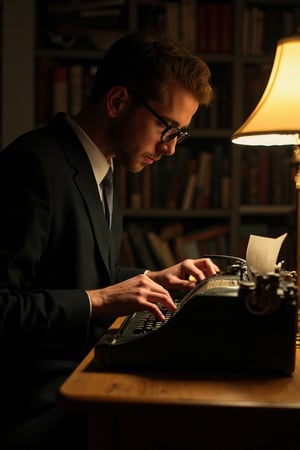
{"x": 276, "y": 118}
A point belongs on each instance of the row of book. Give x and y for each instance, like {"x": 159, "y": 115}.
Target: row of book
{"x": 264, "y": 26}
{"x": 267, "y": 176}
{"x": 195, "y": 181}
{"x": 143, "y": 246}
{"x": 219, "y": 112}
{"x": 187, "y": 180}
{"x": 65, "y": 86}
{"x": 80, "y": 24}
{"x": 61, "y": 87}
{"x": 201, "y": 26}
{"x": 207, "y": 27}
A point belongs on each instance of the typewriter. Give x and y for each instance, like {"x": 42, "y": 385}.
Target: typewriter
{"x": 226, "y": 323}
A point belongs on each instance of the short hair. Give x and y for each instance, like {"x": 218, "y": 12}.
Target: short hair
{"x": 146, "y": 63}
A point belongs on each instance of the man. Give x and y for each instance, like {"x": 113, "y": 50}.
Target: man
{"x": 60, "y": 284}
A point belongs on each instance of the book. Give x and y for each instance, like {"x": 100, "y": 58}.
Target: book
{"x": 172, "y": 20}
{"x": 216, "y": 176}
{"x": 263, "y": 161}
{"x": 226, "y": 28}
{"x": 188, "y": 23}
{"x": 211, "y": 240}
{"x": 146, "y": 187}
{"x": 157, "y": 201}
{"x": 213, "y": 27}
{"x": 161, "y": 250}
{"x": 255, "y": 42}
{"x": 127, "y": 257}
{"x": 288, "y": 176}
{"x": 226, "y": 184}
{"x": 253, "y": 177}
{"x": 121, "y": 180}
{"x": 204, "y": 180}
{"x": 173, "y": 177}
{"x": 255, "y": 81}
{"x": 201, "y": 28}
{"x": 276, "y": 165}
{"x": 44, "y": 80}
{"x": 76, "y": 88}
{"x": 190, "y": 184}
{"x": 60, "y": 89}
{"x": 134, "y": 190}
{"x": 142, "y": 252}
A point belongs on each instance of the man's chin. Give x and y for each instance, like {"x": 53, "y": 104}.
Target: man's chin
{"x": 136, "y": 168}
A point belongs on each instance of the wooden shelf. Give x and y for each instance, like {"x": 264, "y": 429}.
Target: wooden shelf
{"x": 176, "y": 213}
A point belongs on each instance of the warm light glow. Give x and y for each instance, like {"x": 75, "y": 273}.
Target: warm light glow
{"x": 267, "y": 139}
{"x": 276, "y": 118}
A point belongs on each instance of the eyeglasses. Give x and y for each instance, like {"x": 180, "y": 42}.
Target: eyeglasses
{"x": 168, "y": 133}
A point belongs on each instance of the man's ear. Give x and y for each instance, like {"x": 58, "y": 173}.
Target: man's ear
{"x": 116, "y": 100}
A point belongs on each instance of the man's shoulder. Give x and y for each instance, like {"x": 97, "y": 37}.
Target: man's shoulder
{"x": 48, "y": 134}
{"x": 47, "y": 139}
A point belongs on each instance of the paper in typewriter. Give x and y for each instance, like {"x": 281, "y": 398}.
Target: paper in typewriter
{"x": 262, "y": 253}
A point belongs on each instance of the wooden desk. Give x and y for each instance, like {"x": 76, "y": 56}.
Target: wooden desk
{"x": 148, "y": 411}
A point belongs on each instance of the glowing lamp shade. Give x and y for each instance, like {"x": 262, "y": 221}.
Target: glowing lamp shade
{"x": 276, "y": 118}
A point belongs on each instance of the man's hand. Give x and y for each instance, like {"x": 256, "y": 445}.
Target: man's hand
{"x": 185, "y": 274}
{"x": 138, "y": 293}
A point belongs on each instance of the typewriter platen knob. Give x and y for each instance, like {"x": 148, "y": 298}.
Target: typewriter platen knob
{"x": 261, "y": 296}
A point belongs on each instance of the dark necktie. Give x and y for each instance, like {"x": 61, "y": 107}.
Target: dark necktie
{"x": 107, "y": 188}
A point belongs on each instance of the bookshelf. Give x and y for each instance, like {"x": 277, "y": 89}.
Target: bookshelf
{"x": 237, "y": 39}
{"x": 266, "y": 196}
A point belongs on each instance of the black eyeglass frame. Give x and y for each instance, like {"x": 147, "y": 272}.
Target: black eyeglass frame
{"x": 168, "y": 133}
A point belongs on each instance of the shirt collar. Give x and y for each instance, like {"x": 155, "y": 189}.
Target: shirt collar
{"x": 99, "y": 163}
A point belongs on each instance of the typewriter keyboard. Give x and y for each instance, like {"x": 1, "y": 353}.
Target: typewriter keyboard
{"x": 148, "y": 322}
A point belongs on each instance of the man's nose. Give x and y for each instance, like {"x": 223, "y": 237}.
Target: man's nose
{"x": 168, "y": 148}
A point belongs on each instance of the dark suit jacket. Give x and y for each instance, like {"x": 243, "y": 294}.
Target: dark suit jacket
{"x": 54, "y": 244}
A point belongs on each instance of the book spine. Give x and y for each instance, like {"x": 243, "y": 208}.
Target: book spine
{"x": 172, "y": 20}
{"x": 190, "y": 184}
{"x": 226, "y": 28}
{"x": 201, "y": 28}
{"x": 60, "y": 89}
{"x": 44, "y": 82}
{"x": 213, "y": 27}
{"x": 188, "y": 24}
{"x": 76, "y": 88}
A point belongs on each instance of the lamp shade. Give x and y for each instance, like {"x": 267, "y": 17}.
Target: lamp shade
{"x": 276, "y": 118}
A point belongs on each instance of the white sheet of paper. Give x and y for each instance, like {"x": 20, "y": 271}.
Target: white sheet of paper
{"x": 262, "y": 253}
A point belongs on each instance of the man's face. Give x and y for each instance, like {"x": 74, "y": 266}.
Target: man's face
{"x": 136, "y": 134}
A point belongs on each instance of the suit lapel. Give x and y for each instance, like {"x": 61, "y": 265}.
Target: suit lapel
{"x": 85, "y": 182}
